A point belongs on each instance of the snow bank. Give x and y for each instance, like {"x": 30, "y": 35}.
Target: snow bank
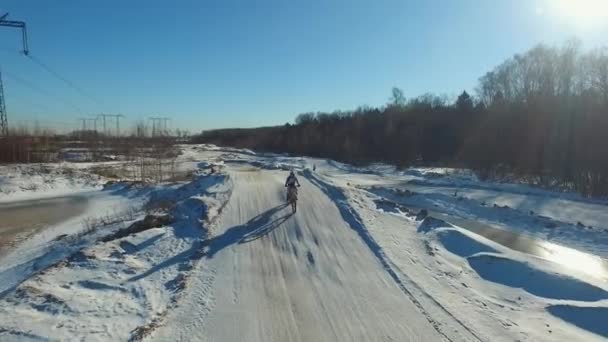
{"x": 211, "y": 147}
{"x": 120, "y": 288}
{"x": 499, "y": 264}
{"x": 462, "y": 243}
{"x": 456, "y": 240}
{"x": 516, "y": 279}
{"x": 592, "y": 240}
{"x": 27, "y": 181}
{"x": 93, "y": 293}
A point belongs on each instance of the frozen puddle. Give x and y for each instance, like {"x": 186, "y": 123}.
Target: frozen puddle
{"x": 568, "y": 257}
{"x": 23, "y": 218}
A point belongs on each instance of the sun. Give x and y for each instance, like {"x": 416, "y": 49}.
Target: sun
{"x": 585, "y": 12}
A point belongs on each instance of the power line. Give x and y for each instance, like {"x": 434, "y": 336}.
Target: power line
{"x": 41, "y": 107}
{"x": 45, "y": 123}
{"x": 35, "y": 87}
{"x": 65, "y": 80}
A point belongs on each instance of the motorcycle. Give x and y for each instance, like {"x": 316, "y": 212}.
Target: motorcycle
{"x": 292, "y": 197}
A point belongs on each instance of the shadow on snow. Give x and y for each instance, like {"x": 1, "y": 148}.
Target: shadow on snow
{"x": 592, "y": 319}
{"x": 540, "y": 283}
{"x": 254, "y": 229}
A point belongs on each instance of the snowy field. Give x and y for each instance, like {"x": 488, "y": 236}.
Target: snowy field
{"x": 219, "y": 257}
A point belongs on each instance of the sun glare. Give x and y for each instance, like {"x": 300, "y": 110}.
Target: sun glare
{"x": 575, "y": 260}
{"x": 585, "y": 12}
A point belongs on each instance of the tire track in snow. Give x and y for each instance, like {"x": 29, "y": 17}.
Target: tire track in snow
{"x": 21, "y": 335}
{"x": 352, "y": 218}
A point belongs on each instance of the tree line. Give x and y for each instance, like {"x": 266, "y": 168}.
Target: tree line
{"x": 540, "y": 116}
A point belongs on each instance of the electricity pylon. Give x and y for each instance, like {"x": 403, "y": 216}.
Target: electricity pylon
{"x": 3, "y": 120}
{"x": 159, "y": 125}
{"x": 21, "y": 25}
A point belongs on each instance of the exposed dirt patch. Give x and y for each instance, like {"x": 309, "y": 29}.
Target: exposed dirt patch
{"x": 149, "y": 222}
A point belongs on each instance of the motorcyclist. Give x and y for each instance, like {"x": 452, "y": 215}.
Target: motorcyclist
{"x": 291, "y": 183}
{"x": 292, "y": 180}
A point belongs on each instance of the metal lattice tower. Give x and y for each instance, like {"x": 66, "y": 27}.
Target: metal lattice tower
{"x": 20, "y": 25}
{"x": 3, "y": 119}
{"x": 16, "y": 24}
{"x": 159, "y": 126}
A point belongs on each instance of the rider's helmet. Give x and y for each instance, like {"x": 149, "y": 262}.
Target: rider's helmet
{"x": 291, "y": 173}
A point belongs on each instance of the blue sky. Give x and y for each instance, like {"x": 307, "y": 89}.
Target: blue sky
{"x": 210, "y": 64}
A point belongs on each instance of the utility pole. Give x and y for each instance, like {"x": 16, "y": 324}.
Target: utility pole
{"x": 21, "y": 25}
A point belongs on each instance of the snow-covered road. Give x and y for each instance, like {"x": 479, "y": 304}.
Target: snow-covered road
{"x": 268, "y": 275}
{"x": 231, "y": 263}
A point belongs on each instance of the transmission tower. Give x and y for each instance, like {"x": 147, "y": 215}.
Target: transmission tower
{"x": 103, "y": 120}
{"x": 3, "y": 120}
{"x": 117, "y": 119}
{"x": 17, "y": 24}
{"x": 94, "y": 120}
{"x": 21, "y": 25}
{"x": 85, "y": 125}
{"x": 159, "y": 125}
{"x": 155, "y": 122}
